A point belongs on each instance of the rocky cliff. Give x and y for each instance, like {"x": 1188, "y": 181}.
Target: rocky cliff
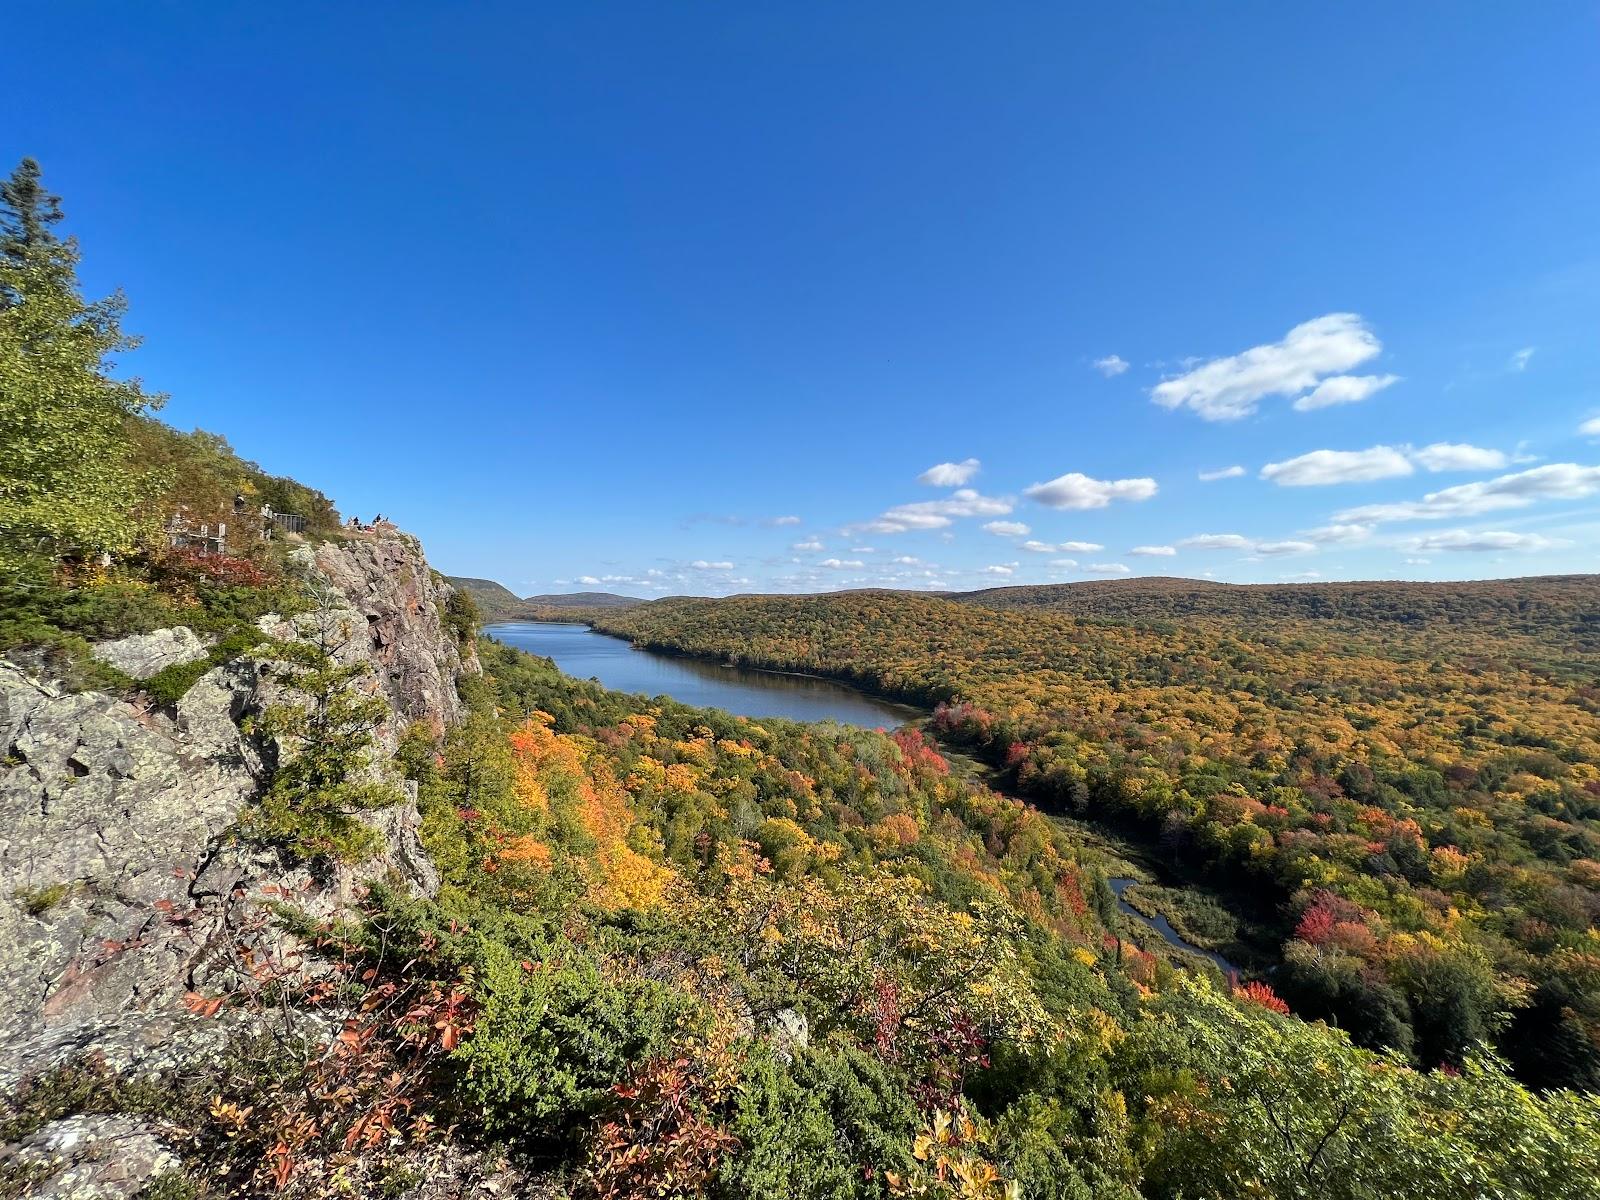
{"x": 121, "y": 889}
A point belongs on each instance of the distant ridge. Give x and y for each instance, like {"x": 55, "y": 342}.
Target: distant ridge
{"x": 499, "y": 603}
{"x": 584, "y": 600}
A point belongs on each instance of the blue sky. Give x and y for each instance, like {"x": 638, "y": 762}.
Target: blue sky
{"x": 702, "y": 297}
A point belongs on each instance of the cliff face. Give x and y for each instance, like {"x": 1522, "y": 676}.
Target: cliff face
{"x": 120, "y": 889}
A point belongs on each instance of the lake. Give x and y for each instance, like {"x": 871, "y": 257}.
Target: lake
{"x": 584, "y": 654}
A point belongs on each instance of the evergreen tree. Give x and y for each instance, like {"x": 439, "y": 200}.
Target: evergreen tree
{"x": 69, "y": 485}
{"x": 26, "y": 210}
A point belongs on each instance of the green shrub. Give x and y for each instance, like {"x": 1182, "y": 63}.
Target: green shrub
{"x": 554, "y": 1033}
{"x": 827, "y": 1125}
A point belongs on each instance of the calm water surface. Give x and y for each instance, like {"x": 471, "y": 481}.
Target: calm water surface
{"x": 584, "y": 654}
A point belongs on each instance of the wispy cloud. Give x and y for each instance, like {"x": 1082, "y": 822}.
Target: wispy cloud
{"x": 1556, "y": 481}
{"x": 1519, "y": 360}
{"x": 1224, "y": 473}
{"x": 1482, "y": 542}
{"x": 1457, "y": 456}
{"x": 1338, "y": 535}
{"x": 809, "y": 546}
{"x": 1006, "y": 528}
{"x": 776, "y": 522}
{"x": 949, "y": 474}
{"x": 1237, "y": 541}
{"x": 1217, "y": 541}
{"x": 841, "y": 564}
{"x": 1111, "y": 365}
{"x": 1062, "y": 547}
{"x": 1226, "y": 389}
{"x": 1590, "y": 428}
{"x": 1343, "y": 389}
{"x": 1154, "y": 551}
{"x": 1108, "y": 568}
{"x": 1078, "y": 491}
{"x": 1323, "y": 467}
{"x": 701, "y": 564}
{"x": 934, "y": 514}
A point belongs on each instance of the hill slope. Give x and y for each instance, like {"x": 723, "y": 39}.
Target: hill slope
{"x": 1411, "y": 770}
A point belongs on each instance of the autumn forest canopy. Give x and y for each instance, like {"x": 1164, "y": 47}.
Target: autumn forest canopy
{"x": 671, "y": 952}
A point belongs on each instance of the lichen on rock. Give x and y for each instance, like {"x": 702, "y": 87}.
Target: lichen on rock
{"x": 142, "y": 655}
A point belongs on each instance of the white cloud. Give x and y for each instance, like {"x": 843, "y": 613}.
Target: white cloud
{"x": 1590, "y": 428}
{"x": 1111, "y": 365}
{"x": 863, "y": 549}
{"x": 1217, "y": 541}
{"x": 1338, "y": 535}
{"x": 1226, "y": 389}
{"x": 842, "y": 564}
{"x": 1108, "y": 568}
{"x": 1224, "y": 473}
{"x": 1519, "y": 360}
{"x": 1418, "y": 562}
{"x": 1322, "y": 467}
{"x": 1074, "y": 490}
{"x": 950, "y": 474}
{"x": 1343, "y": 389}
{"x": 809, "y": 546}
{"x": 1062, "y": 547}
{"x": 1154, "y": 551}
{"x": 1302, "y": 575}
{"x": 1063, "y": 562}
{"x": 588, "y": 579}
{"x": 1484, "y": 541}
{"x": 1276, "y": 549}
{"x": 997, "y": 569}
{"x": 1006, "y": 528}
{"x": 1456, "y": 456}
{"x": 905, "y": 560}
{"x": 701, "y": 564}
{"x": 935, "y": 514}
{"x": 1555, "y": 481}
{"x": 779, "y": 521}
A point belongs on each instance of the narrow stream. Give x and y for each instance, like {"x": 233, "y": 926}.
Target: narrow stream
{"x": 1164, "y": 927}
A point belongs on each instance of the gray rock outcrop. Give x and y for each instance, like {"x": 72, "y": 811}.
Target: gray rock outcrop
{"x": 145, "y": 654}
{"x": 120, "y": 887}
{"x": 91, "y": 1158}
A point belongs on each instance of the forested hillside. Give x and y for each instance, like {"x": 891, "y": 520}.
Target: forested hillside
{"x": 1412, "y": 770}
{"x": 367, "y": 906}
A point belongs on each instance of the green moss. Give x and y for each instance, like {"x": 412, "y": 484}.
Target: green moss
{"x": 170, "y": 684}
{"x": 172, "y": 1185}
{"x": 79, "y": 1088}
{"x": 39, "y": 901}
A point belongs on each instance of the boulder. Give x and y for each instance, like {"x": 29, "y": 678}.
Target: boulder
{"x": 89, "y": 1158}
{"x": 145, "y": 654}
